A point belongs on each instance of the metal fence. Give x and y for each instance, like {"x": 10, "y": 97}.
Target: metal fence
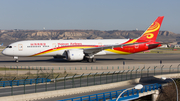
{"x": 111, "y": 96}
{"x": 9, "y": 72}
{"x": 66, "y": 81}
{"x": 23, "y": 82}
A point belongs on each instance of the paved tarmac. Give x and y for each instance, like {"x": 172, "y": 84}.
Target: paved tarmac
{"x": 106, "y": 60}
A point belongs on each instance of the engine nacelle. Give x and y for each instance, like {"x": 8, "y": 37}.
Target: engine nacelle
{"x": 74, "y": 55}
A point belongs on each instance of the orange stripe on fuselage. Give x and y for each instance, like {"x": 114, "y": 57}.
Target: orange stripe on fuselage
{"x": 62, "y": 48}
{"x": 86, "y": 46}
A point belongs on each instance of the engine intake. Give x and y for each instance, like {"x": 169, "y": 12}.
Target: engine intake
{"x": 74, "y": 55}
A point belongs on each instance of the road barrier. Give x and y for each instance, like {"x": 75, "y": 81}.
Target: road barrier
{"x": 111, "y": 96}
{"x": 82, "y": 90}
{"x": 23, "y": 82}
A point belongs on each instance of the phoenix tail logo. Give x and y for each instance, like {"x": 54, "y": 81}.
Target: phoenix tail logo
{"x": 149, "y": 35}
{"x": 154, "y": 27}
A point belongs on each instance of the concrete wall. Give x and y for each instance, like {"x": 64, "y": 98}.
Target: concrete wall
{"x": 64, "y": 92}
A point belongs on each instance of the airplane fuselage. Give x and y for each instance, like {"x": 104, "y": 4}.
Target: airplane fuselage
{"x": 58, "y": 47}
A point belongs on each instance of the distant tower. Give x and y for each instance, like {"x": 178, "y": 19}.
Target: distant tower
{"x": 137, "y": 29}
{"x": 44, "y": 28}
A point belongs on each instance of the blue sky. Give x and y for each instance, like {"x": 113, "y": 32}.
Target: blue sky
{"x": 89, "y": 14}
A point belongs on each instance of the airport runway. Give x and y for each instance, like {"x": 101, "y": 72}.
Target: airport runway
{"x": 106, "y": 60}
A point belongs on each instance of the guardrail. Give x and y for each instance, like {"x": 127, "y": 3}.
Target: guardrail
{"x": 23, "y": 82}
{"x": 111, "y": 96}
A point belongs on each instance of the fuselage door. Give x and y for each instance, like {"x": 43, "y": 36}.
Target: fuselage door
{"x": 54, "y": 45}
{"x": 100, "y": 44}
{"x": 20, "y": 47}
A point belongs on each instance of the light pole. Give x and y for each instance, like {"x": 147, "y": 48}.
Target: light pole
{"x": 164, "y": 78}
{"x": 139, "y": 86}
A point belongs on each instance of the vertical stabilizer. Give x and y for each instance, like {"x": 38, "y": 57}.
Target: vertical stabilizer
{"x": 151, "y": 33}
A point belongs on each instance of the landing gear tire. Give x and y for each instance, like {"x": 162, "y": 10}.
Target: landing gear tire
{"x": 16, "y": 61}
{"x": 91, "y": 59}
{"x": 55, "y": 57}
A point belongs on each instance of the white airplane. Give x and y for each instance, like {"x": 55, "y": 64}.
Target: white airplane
{"x": 1, "y": 44}
{"x": 77, "y": 50}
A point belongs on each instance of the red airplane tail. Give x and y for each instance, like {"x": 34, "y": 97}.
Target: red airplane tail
{"x": 152, "y": 32}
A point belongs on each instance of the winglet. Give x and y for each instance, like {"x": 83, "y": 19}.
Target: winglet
{"x": 151, "y": 33}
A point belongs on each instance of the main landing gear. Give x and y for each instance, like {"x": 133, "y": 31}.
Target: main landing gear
{"x": 90, "y": 58}
{"x": 16, "y": 59}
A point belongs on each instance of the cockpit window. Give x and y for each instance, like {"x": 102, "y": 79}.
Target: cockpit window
{"x": 9, "y": 47}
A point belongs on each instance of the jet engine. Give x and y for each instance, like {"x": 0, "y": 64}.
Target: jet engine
{"x": 74, "y": 55}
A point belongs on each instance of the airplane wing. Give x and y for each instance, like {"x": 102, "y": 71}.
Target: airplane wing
{"x": 98, "y": 49}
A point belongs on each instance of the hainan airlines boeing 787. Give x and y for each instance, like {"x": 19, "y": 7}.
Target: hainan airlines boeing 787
{"x": 77, "y": 50}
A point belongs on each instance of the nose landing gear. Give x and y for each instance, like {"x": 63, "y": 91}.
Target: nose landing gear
{"x": 16, "y": 59}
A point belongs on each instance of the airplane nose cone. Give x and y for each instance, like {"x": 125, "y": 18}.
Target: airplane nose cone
{"x": 4, "y": 52}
